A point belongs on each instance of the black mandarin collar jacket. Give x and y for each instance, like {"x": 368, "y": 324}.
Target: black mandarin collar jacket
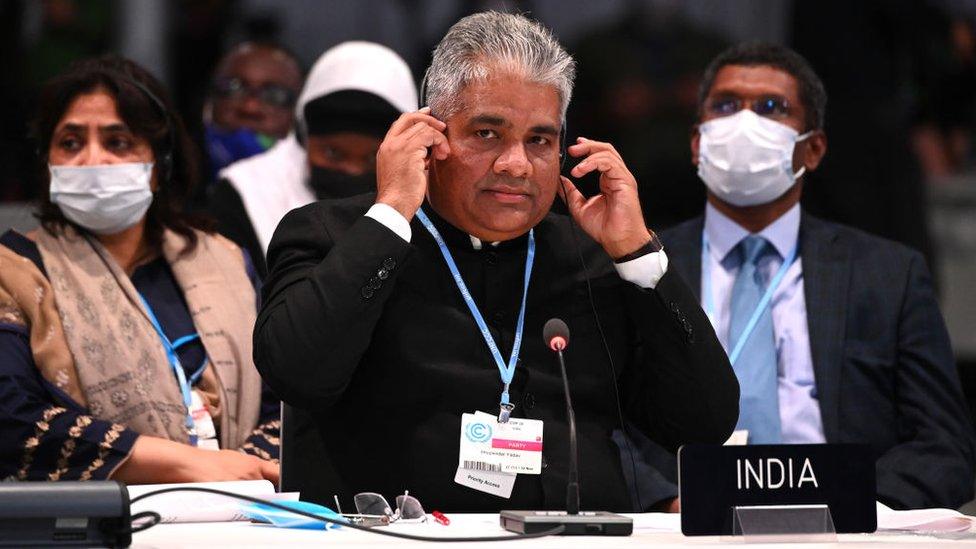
{"x": 368, "y": 340}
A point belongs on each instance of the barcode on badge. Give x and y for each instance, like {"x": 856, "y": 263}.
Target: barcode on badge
{"x": 482, "y": 466}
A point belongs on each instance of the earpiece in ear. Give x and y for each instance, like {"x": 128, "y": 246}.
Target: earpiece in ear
{"x": 422, "y": 99}
{"x": 562, "y": 146}
{"x": 165, "y": 164}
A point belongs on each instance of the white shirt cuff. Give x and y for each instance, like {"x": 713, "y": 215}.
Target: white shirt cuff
{"x": 387, "y": 216}
{"x": 645, "y": 271}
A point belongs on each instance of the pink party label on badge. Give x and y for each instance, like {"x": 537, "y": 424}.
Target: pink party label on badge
{"x": 516, "y": 445}
{"x": 512, "y": 447}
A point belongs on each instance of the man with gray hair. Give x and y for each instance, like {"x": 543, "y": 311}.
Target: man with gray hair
{"x": 404, "y": 326}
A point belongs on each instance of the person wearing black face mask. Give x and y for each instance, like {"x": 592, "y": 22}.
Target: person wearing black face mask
{"x": 351, "y": 96}
{"x": 345, "y": 129}
{"x": 329, "y": 183}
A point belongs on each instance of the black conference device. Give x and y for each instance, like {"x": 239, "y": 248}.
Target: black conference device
{"x": 574, "y": 522}
{"x": 67, "y": 513}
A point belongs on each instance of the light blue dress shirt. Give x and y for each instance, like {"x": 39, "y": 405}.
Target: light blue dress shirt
{"x": 799, "y": 409}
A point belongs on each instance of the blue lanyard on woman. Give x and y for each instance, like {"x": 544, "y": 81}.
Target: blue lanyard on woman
{"x": 506, "y": 372}
{"x": 760, "y": 307}
{"x": 174, "y": 360}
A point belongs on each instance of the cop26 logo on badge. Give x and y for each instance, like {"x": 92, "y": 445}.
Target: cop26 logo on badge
{"x": 478, "y": 432}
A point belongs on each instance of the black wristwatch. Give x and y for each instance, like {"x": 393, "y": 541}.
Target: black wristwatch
{"x": 651, "y": 247}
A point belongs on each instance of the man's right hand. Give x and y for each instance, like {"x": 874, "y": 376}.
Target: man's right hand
{"x": 402, "y": 162}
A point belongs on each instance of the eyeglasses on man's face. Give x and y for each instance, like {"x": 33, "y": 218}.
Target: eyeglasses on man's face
{"x": 770, "y": 106}
{"x": 271, "y": 95}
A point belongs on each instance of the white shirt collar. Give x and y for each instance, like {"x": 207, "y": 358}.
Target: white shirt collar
{"x": 724, "y": 234}
{"x": 476, "y": 243}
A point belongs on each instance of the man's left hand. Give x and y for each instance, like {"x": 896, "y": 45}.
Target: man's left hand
{"x": 613, "y": 218}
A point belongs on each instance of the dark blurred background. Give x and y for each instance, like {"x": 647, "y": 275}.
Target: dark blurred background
{"x": 900, "y": 74}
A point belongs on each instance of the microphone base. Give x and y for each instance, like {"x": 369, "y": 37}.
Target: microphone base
{"x": 586, "y": 523}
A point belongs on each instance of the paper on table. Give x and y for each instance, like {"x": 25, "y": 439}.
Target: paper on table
{"x": 923, "y": 520}
{"x": 204, "y": 507}
{"x": 656, "y": 522}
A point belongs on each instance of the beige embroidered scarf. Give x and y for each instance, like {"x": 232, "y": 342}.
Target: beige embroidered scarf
{"x": 99, "y": 346}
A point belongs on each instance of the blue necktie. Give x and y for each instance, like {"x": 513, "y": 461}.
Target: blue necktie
{"x": 756, "y": 366}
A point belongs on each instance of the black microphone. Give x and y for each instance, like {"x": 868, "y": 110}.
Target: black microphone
{"x": 556, "y": 335}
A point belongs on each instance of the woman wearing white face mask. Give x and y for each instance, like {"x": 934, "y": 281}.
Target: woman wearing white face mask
{"x": 125, "y": 327}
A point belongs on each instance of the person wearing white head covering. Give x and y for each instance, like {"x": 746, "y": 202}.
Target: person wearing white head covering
{"x": 352, "y": 95}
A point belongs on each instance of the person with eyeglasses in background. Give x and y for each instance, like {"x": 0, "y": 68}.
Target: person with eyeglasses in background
{"x": 250, "y": 102}
{"x": 125, "y": 323}
{"x": 353, "y": 92}
{"x": 851, "y": 346}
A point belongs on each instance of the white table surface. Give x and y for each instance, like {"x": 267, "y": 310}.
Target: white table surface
{"x": 649, "y": 530}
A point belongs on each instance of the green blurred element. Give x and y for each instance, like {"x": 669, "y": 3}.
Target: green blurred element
{"x": 265, "y": 141}
{"x": 71, "y": 30}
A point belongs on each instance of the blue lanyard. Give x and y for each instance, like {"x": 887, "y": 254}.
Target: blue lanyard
{"x": 506, "y": 372}
{"x": 760, "y": 307}
{"x": 174, "y": 360}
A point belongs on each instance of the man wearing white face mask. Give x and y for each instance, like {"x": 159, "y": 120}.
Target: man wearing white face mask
{"x": 835, "y": 335}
